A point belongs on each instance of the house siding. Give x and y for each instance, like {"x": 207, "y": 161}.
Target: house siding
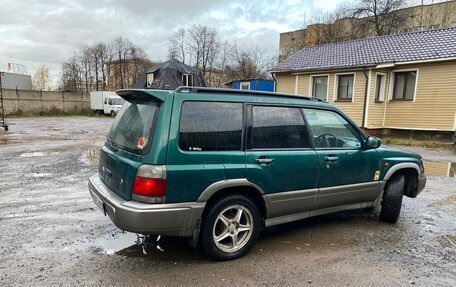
{"x": 285, "y": 83}
{"x": 376, "y": 110}
{"x": 434, "y": 106}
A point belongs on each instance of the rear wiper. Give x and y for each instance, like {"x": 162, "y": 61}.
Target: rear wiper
{"x": 112, "y": 144}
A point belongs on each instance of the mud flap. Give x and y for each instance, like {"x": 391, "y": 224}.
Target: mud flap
{"x": 193, "y": 240}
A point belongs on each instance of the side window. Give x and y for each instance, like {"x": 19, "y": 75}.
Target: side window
{"x": 106, "y": 101}
{"x": 245, "y": 85}
{"x": 187, "y": 80}
{"x": 278, "y": 127}
{"x": 110, "y": 102}
{"x": 210, "y": 126}
{"x": 149, "y": 80}
{"x": 330, "y": 130}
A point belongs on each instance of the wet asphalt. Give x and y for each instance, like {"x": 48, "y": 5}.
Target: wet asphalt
{"x": 52, "y": 234}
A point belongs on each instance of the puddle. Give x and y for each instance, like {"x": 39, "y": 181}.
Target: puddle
{"x": 91, "y": 156}
{"x": 38, "y": 154}
{"x": 434, "y": 168}
{"x": 137, "y": 245}
{"x": 39, "y": 175}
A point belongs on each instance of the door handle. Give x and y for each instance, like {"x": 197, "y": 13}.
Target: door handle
{"x": 264, "y": 160}
{"x": 331, "y": 158}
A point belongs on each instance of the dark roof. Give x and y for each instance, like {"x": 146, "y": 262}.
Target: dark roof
{"x": 174, "y": 64}
{"x": 168, "y": 76}
{"x": 406, "y": 47}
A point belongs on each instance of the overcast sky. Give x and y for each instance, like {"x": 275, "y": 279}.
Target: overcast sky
{"x": 48, "y": 31}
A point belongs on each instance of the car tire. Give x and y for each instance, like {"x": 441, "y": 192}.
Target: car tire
{"x": 230, "y": 228}
{"x": 113, "y": 114}
{"x": 392, "y": 199}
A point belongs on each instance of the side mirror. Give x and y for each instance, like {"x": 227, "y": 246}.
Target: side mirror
{"x": 373, "y": 142}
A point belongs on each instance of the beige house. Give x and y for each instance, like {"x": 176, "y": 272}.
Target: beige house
{"x": 395, "y": 82}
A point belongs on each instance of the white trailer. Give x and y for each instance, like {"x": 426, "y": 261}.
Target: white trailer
{"x": 108, "y": 103}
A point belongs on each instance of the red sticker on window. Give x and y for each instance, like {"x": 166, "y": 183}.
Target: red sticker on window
{"x": 142, "y": 143}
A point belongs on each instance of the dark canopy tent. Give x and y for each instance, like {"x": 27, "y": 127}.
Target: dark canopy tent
{"x": 168, "y": 76}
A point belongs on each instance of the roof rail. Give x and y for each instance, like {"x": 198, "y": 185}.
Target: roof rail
{"x": 201, "y": 90}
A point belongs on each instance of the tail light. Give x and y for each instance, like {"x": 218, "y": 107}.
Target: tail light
{"x": 150, "y": 184}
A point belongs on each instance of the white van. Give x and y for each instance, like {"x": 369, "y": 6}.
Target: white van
{"x": 108, "y": 103}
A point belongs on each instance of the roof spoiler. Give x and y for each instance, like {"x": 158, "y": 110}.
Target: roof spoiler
{"x": 138, "y": 94}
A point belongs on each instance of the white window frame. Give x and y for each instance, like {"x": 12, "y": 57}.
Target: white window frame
{"x": 391, "y": 86}
{"x": 243, "y": 83}
{"x": 311, "y": 84}
{"x": 381, "y": 97}
{"x": 336, "y": 86}
{"x": 147, "y": 81}
{"x": 185, "y": 82}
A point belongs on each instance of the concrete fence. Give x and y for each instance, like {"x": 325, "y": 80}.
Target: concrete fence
{"x": 37, "y": 102}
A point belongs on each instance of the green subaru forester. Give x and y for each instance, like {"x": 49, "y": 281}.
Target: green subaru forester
{"x": 219, "y": 165}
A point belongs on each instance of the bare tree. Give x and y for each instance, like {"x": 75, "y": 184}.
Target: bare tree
{"x": 41, "y": 79}
{"x": 438, "y": 15}
{"x": 178, "y": 45}
{"x": 71, "y": 75}
{"x": 90, "y": 66}
{"x": 204, "y": 44}
{"x": 251, "y": 62}
{"x": 383, "y": 17}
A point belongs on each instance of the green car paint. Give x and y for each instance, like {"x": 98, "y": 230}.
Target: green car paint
{"x": 294, "y": 183}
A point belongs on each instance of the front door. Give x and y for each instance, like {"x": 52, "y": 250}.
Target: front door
{"x": 344, "y": 169}
{"x": 280, "y": 158}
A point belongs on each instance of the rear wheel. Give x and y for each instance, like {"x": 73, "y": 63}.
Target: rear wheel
{"x": 230, "y": 228}
{"x": 392, "y": 199}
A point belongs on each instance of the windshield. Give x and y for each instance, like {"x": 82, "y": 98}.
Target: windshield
{"x": 117, "y": 101}
{"x": 133, "y": 126}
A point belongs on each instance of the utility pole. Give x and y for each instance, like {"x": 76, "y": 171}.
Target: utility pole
{"x": 2, "y": 111}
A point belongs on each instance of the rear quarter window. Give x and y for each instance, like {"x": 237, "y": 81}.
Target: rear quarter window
{"x": 210, "y": 126}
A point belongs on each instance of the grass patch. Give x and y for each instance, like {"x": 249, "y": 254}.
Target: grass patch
{"x": 421, "y": 143}
{"x": 33, "y": 115}
{"x": 53, "y": 112}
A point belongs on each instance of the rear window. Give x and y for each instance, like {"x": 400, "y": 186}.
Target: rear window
{"x": 210, "y": 126}
{"x": 133, "y": 126}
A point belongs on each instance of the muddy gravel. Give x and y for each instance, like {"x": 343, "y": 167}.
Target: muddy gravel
{"x": 51, "y": 233}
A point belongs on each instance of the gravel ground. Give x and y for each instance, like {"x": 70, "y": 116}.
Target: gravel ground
{"x": 51, "y": 233}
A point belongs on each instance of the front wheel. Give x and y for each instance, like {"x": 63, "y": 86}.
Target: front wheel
{"x": 230, "y": 228}
{"x": 392, "y": 199}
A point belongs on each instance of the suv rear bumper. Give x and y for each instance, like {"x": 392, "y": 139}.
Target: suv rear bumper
{"x": 171, "y": 219}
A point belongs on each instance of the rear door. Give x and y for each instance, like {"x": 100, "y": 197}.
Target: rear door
{"x": 280, "y": 158}
{"x": 205, "y": 145}
{"x": 344, "y": 169}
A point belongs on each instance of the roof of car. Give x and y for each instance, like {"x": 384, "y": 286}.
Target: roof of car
{"x": 201, "y": 90}
{"x": 248, "y": 96}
